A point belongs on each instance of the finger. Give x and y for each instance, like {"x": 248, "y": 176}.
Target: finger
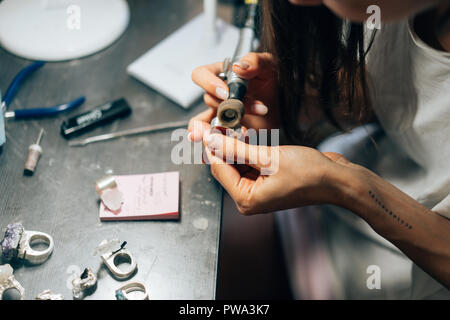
{"x": 206, "y": 77}
{"x": 247, "y": 171}
{"x": 336, "y": 157}
{"x": 199, "y": 124}
{"x": 254, "y": 106}
{"x": 232, "y": 150}
{"x": 227, "y": 175}
{"x": 211, "y": 101}
{"x": 254, "y": 65}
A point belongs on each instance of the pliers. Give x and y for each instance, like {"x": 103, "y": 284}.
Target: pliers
{"x": 36, "y": 112}
{"x": 29, "y": 113}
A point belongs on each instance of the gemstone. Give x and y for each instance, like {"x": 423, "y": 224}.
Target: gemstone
{"x": 10, "y": 243}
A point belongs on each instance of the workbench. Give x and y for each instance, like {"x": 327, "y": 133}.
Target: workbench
{"x": 176, "y": 259}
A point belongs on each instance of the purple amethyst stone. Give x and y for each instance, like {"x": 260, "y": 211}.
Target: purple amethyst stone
{"x": 10, "y": 243}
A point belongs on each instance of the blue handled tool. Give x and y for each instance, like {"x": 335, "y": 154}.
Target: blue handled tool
{"x": 29, "y": 113}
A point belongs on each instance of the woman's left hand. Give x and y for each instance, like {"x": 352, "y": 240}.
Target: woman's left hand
{"x": 264, "y": 179}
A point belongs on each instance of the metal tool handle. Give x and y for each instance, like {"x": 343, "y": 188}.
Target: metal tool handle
{"x": 17, "y": 81}
{"x": 41, "y": 134}
{"x": 231, "y": 111}
{"x": 130, "y": 132}
{"x": 45, "y": 112}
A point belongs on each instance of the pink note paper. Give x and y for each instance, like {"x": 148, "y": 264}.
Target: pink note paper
{"x": 146, "y": 197}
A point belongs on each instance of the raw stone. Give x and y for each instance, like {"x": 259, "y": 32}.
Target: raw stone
{"x": 10, "y": 243}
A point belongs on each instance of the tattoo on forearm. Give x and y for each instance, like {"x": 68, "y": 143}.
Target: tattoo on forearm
{"x": 388, "y": 211}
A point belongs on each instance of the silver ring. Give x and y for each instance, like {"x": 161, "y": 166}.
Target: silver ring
{"x": 34, "y": 256}
{"x": 109, "y": 260}
{"x": 123, "y": 291}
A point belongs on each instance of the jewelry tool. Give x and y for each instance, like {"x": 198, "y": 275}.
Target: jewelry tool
{"x": 98, "y": 116}
{"x": 34, "y": 153}
{"x": 129, "y": 132}
{"x": 231, "y": 111}
{"x": 29, "y": 113}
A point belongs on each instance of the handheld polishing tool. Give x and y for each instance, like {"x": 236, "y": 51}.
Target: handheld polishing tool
{"x": 231, "y": 111}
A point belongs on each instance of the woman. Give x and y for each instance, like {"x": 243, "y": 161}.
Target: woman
{"x": 317, "y": 66}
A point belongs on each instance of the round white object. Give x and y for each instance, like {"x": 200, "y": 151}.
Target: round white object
{"x": 57, "y": 30}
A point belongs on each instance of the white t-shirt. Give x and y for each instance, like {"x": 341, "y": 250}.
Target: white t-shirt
{"x": 410, "y": 86}
{"x": 411, "y": 95}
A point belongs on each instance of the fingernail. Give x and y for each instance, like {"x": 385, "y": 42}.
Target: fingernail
{"x": 190, "y": 137}
{"x": 242, "y": 64}
{"x": 221, "y": 93}
{"x": 260, "y": 109}
{"x": 214, "y": 141}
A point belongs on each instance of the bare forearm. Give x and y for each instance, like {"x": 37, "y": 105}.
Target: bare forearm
{"x": 423, "y": 235}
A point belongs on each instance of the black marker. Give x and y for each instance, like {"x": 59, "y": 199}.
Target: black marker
{"x": 94, "y": 118}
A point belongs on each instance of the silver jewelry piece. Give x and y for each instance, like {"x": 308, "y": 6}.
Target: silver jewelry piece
{"x": 84, "y": 284}
{"x": 123, "y": 291}
{"x": 48, "y": 295}
{"x": 8, "y": 281}
{"x": 218, "y": 127}
{"x": 110, "y": 256}
{"x": 17, "y": 244}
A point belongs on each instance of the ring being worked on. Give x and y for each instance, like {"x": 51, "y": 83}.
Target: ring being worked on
{"x": 17, "y": 244}
{"x": 218, "y": 127}
{"x": 8, "y": 281}
{"x": 123, "y": 291}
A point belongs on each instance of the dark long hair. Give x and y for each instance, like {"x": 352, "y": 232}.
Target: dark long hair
{"x": 316, "y": 54}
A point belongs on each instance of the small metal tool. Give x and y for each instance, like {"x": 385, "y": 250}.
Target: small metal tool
{"x": 28, "y": 113}
{"x": 130, "y": 132}
{"x": 34, "y": 112}
{"x": 231, "y": 111}
{"x": 34, "y": 153}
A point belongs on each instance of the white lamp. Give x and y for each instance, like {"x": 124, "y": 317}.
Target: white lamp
{"x": 55, "y": 30}
{"x": 167, "y": 67}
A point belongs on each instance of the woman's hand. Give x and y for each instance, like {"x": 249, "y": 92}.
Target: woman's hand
{"x": 260, "y": 101}
{"x": 298, "y": 176}
{"x": 274, "y": 178}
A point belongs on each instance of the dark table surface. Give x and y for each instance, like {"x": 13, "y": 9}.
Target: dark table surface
{"x": 176, "y": 259}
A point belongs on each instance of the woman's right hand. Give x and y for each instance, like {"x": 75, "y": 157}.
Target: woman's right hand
{"x": 260, "y": 101}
